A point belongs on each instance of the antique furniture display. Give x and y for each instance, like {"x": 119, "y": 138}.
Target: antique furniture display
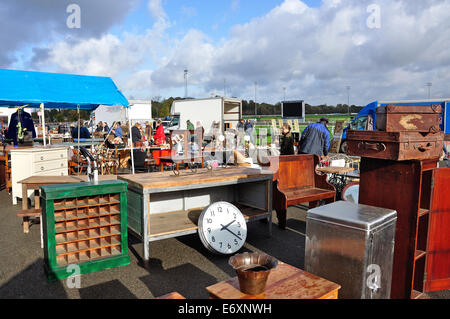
{"x": 162, "y": 205}
{"x": 84, "y": 224}
{"x": 222, "y": 228}
{"x": 297, "y": 182}
{"x": 352, "y": 245}
{"x": 409, "y": 118}
{"x": 435, "y": 236}
{"x": 396, "y": 146}
{"x": 405, "y": 187}
{"x": 284, "y": 282}
{"x": 42, "y": 161}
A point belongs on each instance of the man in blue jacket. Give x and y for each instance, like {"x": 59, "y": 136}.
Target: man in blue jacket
{"x": 316, "y": 139}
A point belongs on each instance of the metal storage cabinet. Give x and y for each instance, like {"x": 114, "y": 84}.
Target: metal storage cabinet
{"x": 352, "y": 245}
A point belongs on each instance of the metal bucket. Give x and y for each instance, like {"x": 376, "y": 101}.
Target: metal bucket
{"x": 252, "y": 271}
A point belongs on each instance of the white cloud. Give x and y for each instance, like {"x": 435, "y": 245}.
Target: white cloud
{"x": 313, "y": 52}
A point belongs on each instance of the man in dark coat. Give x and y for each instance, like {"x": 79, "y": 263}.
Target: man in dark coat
{"x": 316, "y": 139}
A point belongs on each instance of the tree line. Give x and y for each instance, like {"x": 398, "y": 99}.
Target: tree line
{"x": 161, "y": 108}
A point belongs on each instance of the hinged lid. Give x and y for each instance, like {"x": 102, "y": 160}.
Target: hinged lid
{"x": 410, "y": 109}
{"x": 358, "y": 216}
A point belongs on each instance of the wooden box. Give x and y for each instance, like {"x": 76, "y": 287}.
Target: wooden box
{"x": 396, "y": 146}
{"x": 84, "y": 224}
{"x": 409, "y": 118}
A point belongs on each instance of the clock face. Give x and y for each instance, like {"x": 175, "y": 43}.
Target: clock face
{"x": 222, "y": 228}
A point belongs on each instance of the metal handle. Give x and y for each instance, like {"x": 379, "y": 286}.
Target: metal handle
{"x": 42, "y": 168}
{"x": 379, "y": 147}
{"x": 423, "y": 148}
{"x": 434, "y": 129}
{"x": 42, "y": 158}
{"x": 435, "y": 108}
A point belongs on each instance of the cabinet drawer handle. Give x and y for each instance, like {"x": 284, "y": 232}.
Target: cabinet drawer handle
{"x": 42, "y": 168}
{"x": 62, "y": 164}
{"x": 62, "y": 156}
{"x": 42, "y": 158}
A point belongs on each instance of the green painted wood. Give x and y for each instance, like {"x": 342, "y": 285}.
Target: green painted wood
{"x": 134, "y": 212}
{"x": 59, "y": 273}
{"x": 61, "y": 191}
{"x": 49, "y": 194}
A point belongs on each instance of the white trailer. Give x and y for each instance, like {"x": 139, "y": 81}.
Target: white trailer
{"x": 226, "y": 111}
{"x": 140, "y": 111}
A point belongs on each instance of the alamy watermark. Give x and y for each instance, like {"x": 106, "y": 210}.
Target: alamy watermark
{"x": 74, "y": 19}
{"x": 374, "y": 19}
{"x": 74, "y": 279}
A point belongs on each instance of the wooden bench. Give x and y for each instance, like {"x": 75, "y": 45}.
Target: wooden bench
{"x": 296, "y": 182}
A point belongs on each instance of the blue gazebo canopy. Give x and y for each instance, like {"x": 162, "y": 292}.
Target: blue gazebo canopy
{"x": 57, "y": 90}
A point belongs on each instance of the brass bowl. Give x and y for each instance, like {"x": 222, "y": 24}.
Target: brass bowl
{"x": 252, "y": 271}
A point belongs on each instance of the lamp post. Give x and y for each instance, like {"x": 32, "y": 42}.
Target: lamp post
{"x": 348, "y": 99}
{"x": 185, "y": 83}
{"x": 284, "y": 94}
{"x": 429, "y": 84}
{"x": 256, "y": 111}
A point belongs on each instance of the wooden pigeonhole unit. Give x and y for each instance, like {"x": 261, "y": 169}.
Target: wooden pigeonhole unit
{"x": 84, "y": 224}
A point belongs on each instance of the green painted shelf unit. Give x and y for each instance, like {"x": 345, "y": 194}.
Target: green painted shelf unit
{"x": 84, "y": 224}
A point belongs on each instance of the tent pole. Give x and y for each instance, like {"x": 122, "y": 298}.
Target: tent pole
{"x": 43, "y": 124}
{"x": 130, "y": 140}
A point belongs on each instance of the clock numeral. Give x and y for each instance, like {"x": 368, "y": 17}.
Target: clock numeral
{"x": 219, "y": 209}
{"x": 213, "y": 239}
{"x": 229, "y": 246}
{"x": 236, "y": 242}
{"x": 209, "y": 230}
{"x": 239, "y": 224}
{"x": 239, "y": 233}
{"x": 212, "y": 213}
{"x": 220, "y": 244}
{"x": 209, "y": 221}
{"x": 235, "y": 216}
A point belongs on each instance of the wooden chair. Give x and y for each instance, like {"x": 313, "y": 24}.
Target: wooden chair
{"x": 296, "y": 182}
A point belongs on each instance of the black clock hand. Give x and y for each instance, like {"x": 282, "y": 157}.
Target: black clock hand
{"x": 225, "y": 227}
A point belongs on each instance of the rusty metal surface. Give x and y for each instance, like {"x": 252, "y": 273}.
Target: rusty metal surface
{"x": 253, "y": 270}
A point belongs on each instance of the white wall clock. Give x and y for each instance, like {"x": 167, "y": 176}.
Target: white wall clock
{"x": 222, "y": 228}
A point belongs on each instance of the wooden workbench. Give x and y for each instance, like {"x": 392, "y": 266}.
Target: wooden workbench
{"x": 162, "y": 205}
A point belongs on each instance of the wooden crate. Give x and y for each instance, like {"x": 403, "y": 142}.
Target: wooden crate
{"x": 84, "y": 224}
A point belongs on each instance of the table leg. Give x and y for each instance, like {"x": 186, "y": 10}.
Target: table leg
{"x": 26, "y": 220}
{"x": 161, "y": 165}
{"x": 146, "y": 228}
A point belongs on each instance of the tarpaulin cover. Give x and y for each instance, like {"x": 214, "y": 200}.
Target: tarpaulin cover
{"x": 56, "y": 90}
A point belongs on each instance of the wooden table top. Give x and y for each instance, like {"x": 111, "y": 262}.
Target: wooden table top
{"x": 284, "y": 282}
{"x": 47, "y": 180}
{"x": 202, "y": 176}
{"x": 335, "y": 170}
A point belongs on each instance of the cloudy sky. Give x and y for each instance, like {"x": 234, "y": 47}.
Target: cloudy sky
{"x": 382, "y": 49}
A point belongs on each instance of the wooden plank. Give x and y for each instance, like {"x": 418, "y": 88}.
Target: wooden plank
{"x": 284, "y": 282}
{"x": 203, "y": 176}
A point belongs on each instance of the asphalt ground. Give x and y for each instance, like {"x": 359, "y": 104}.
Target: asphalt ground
{"x": 180, "y": 264}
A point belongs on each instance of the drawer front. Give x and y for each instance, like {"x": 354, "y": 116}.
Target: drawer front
{"x": 56, "y": 172}
{"x": 49, "y": 166}
{"x": 50, "y": 156}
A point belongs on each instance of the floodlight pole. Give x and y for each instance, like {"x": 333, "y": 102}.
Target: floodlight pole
{"x": 130, "y": 139}
{"x": 43, "y": 123}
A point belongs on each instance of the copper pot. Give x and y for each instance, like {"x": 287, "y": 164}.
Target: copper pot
{"x": 252, "y": 271}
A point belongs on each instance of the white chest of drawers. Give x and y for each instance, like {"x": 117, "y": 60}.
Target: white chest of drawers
{"x": 49, "y": 161}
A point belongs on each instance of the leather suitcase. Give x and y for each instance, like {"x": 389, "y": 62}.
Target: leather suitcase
{"x": 396, "y": 146}
{"x": 409, "y": 118}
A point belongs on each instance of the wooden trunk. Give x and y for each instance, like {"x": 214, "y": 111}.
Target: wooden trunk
{"x": 395, "y": 146}
{"x": 409, "y": 118}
